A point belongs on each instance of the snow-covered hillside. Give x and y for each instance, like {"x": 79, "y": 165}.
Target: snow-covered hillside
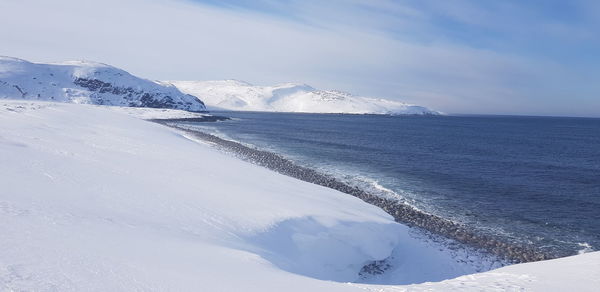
{"x": 290, "y": 97}
{"x": 93, "y": 199}
{"x": 87, "y": 82}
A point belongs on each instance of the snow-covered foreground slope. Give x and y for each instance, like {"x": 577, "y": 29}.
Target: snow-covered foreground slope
{"x": 88, "y": 82}
{"x": 290, "y": 97}
{"x": 96, "y": 200}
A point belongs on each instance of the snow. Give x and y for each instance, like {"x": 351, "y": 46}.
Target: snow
{"x": 575, "y": 273}
{"x": 93, "y": 199}
{"x": 88, "y": 83}
{"x": 290, "y": 97}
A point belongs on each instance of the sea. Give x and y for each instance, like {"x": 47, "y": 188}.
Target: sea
{"x": 534, "y": 181}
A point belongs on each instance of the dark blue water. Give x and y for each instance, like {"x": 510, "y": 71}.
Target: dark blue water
{"x": 532, "y": 180}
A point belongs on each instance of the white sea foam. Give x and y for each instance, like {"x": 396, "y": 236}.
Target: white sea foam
{"x": 586, "y": 247}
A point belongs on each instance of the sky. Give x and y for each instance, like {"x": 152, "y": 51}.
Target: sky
{"x": 535, "y": 57}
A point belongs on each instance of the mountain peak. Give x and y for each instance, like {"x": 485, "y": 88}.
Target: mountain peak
{"x": 5, "y": 59}
{"x": 84, "y": 63}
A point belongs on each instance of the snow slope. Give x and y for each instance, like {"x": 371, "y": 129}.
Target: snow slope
{"x": 290, "y": 97}
{"x": 88, "y": 82}
{"x": 96, "y": 200}
{"x": 575, "y": 273}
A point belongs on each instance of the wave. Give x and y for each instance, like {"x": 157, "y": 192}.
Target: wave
{"x": 585, "y": 248}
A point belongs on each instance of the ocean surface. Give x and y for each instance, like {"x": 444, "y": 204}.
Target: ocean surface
{"x": 528, "y": 180}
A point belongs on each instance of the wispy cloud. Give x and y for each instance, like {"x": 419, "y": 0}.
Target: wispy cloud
{"x": 465, "y": 56}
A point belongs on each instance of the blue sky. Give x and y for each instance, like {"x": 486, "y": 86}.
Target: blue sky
{"x": 555, "y": 28}
{"x": 493, "y": 57}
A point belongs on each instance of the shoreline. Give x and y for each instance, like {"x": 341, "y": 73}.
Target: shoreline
{"x": 206, "y": 118}
{"x": 401, "y": 212}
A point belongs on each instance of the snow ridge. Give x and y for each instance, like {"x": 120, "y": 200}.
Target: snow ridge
{"x": 89, "y": 83}
{"x": 291, "y": 97}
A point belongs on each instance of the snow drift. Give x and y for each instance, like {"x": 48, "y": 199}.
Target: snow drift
{"x": 290, "y": 97}
{"x": 88, "y": 82}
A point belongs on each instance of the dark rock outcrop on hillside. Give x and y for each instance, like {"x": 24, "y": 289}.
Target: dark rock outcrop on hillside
{"x": 134, "y": 97}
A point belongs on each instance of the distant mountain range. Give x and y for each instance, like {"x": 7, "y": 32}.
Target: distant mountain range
{"x": 290, "y": 97}
{"x": 97, "y": 83}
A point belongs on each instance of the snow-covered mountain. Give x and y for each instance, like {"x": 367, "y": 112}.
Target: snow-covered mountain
{"x": 97, "y": 83}
{"x": 90, "y": 83}
{"x": 290, "y": 97}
